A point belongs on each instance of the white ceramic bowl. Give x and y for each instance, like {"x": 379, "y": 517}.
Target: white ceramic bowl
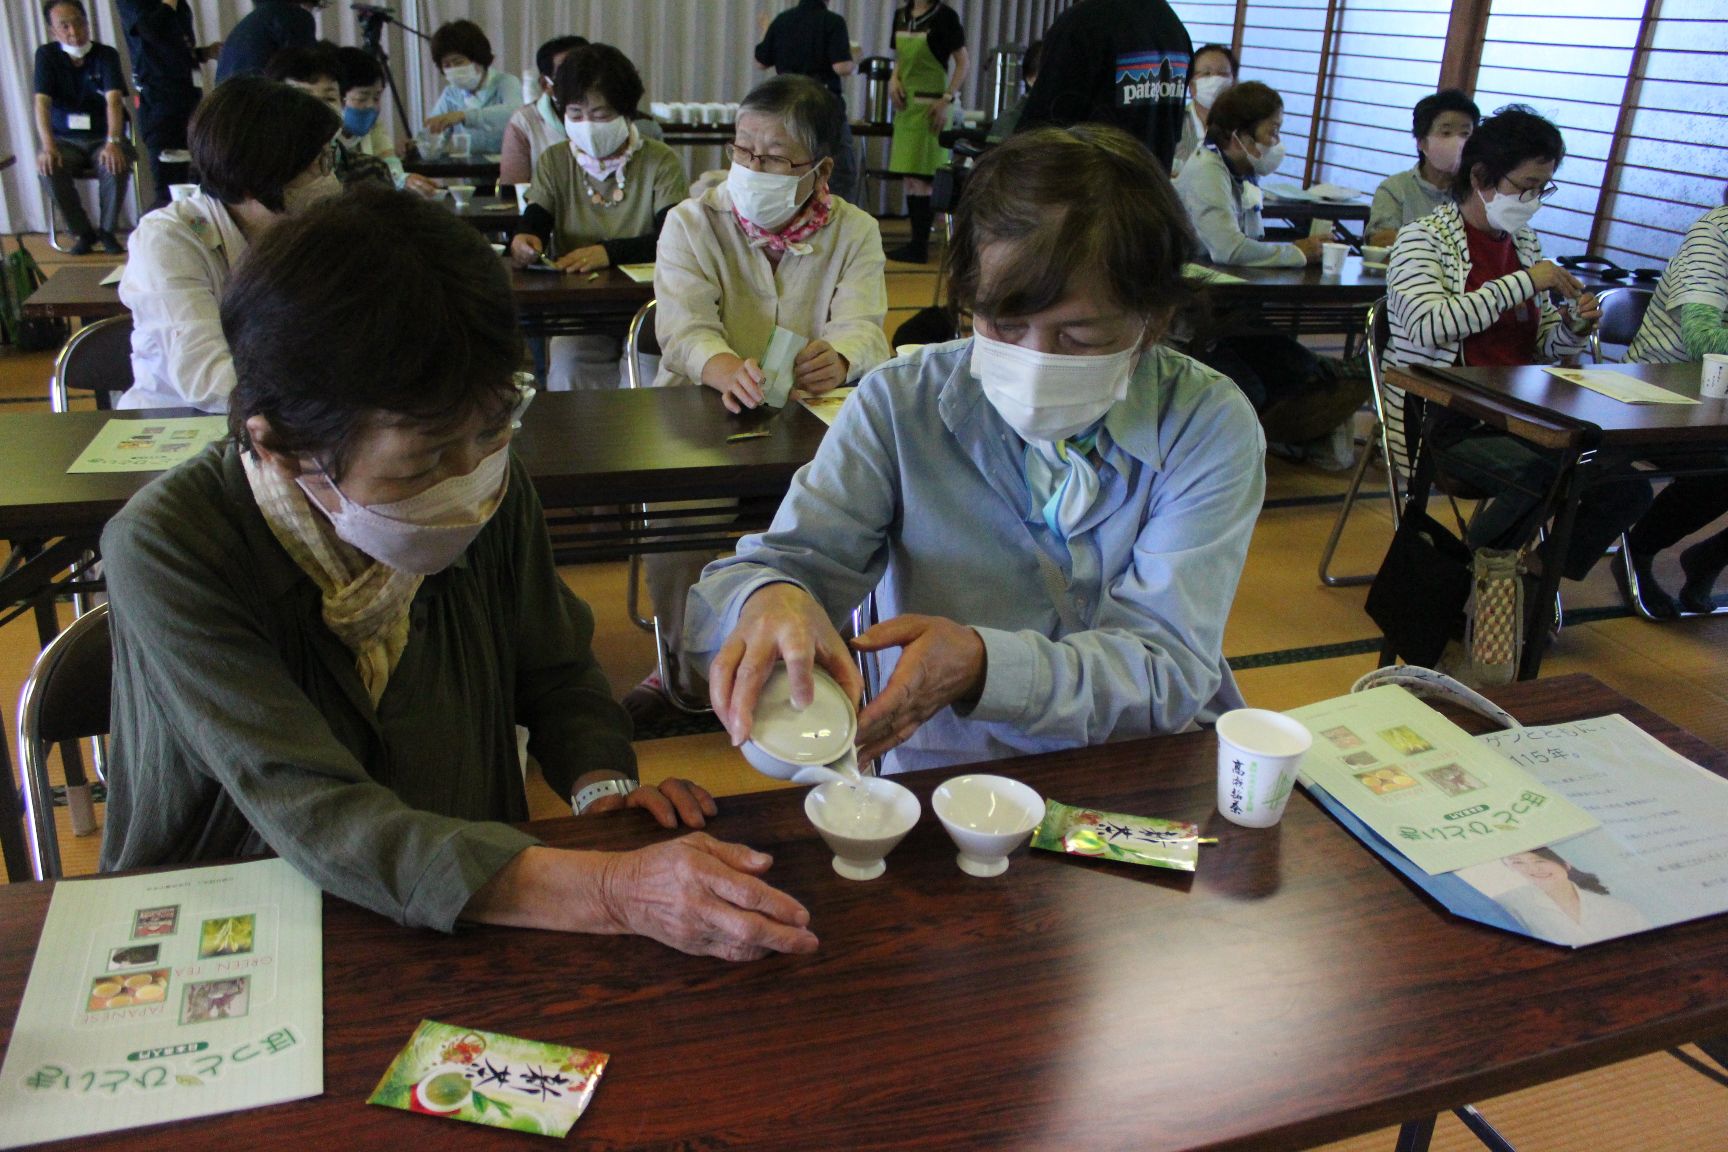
{"x": 785, "y": 740}
{"x": 461, "y": 194}
{"x": 861, "y": 822}
{"x": 988, "y": 817}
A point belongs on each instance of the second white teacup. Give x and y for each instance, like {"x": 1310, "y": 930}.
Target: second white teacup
{"x": 987, "y": 817}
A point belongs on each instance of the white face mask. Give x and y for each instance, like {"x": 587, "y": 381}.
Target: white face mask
{"x": 766, "y": 199}
{"x": 598, "y": 138}
{"x": 1207, "y": 89}
{"x": 1269, "y": 159}
{"x": 1046, "y": 396}
{"x": 298, "y": 199}
{"x": 76, "y": 51}
{"x": 1443, "y": 152}
{"x": 466, "y": 77}
{"x": 427, "y": 532}
{"x": 1508, "y": 213}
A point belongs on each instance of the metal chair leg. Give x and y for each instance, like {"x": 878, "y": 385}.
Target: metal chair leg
{"x": 1482, "y": 1130}
{"x": 669, "y": 681}
{"x": 1415, "y": 1135}
{"x": 53, "y": 218}
{"x": 1356, "y": 477}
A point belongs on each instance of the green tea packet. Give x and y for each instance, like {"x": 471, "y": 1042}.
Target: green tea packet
{"x": 492, "y": 1079}
{"x": 1114, "y": 836}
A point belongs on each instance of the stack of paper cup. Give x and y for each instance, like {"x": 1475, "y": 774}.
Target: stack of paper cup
{"x": 1258, "y": 753}
{"x": 1714, "y": 383}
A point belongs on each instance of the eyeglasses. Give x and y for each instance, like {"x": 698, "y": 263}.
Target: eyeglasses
{"x": 1543, "y": 194}
{"x": 774, "y": 165}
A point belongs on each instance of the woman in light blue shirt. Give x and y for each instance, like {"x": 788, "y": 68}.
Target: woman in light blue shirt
{"x": 1053, "y": 514}
{"x": 476, "y": 95}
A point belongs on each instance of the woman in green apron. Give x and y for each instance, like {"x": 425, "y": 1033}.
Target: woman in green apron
{"x": 927, "y": 39}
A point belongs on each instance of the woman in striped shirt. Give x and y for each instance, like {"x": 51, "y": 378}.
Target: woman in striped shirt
{"x": 1687, "y": 320}
{"x": 1468, "y": 285}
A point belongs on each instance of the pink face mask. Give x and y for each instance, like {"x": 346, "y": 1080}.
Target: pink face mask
{"x": 1443, "y": 152}
{"x": 428, "y": 531}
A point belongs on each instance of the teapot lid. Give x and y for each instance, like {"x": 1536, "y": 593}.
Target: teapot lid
{"x": 820, "y": 734}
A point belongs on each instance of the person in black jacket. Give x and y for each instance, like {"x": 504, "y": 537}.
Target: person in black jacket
{"x": 1118, "y": 62}
{"x": 271, "y": 26}
{"x": 165, "y": 69}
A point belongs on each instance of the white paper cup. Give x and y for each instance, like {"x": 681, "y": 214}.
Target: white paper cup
{"x": 522, "y": 196}
{"x": 1332, "y": 258}
{"x": 1258, "y": 753}
{"x": 1714, "y": 382}
{"x": 182, "y": 191}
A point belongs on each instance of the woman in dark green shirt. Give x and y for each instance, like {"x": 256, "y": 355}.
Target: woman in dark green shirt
{"x": 327, "y": 629}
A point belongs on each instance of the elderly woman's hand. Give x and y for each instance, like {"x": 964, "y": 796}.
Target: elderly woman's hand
{"x": 780, "y": 622}
{"x": 420, "y": 185}
{"x": 941, "y": 663}
{"x": 819, "y": 368}
{"x": 738, "y": 381}
{"x": 702, "y": 896}
{"x": 444, "y": 120}
{"x": 671, "y": 802}
{"x": 525, "y": 249}
{"x": 584, "y": 259}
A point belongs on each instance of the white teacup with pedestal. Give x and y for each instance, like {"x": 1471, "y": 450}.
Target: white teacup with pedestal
{"x": 861, "y": 821}
{"x": 987, "y": 817}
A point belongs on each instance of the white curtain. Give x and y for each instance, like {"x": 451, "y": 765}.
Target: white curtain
{"x": 685, "y": 49}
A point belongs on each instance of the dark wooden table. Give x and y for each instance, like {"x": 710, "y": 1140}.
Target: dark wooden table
{"x": 547, "y": 303}
{"x": 478, "y": 168}
{"x": 582, "y": 448}
{"x": 1302, "y": 301}
{"x": 1294, "y": 991}
{"x": 493, "y": 214}
{"x": 76, "y": 292}
{"x": 1576, "y": 426}
{"x": 1301, "y": 214}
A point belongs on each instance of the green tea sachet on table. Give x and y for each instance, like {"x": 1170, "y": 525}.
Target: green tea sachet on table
{"x": 1114, "y": 836}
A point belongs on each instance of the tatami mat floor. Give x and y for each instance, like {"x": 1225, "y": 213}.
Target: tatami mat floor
{"x": 1294, "y": 641}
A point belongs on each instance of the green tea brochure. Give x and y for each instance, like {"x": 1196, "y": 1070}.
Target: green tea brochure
{"x": 826, "y": 407}
{"x": 1618, "y": 385}
{"x": 1113, "y": 836}
{"x": 1660, "y": 856}
{"x": 165, "y": 997}
{"x": 1425, "y": 785}
{"x": 1206, "y": 274}
{"x": 148, "y": 445}
{"x": 640, "y": 273}
{"x": 485, "y": 1078}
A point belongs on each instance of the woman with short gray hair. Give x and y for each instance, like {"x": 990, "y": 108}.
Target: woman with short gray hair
{"x": 768, "y": 250}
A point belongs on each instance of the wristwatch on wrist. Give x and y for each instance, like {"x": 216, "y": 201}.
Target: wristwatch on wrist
{"x": 116, "y": 139}
{"x": 611, "y": 786}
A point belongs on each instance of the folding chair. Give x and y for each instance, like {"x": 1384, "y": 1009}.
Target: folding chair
{"x": 65, "y": 699}
{"x": 133, "y": 179}
{"x": 1386, "y": 442}
{"x": 1622, "y": 314}
{"x": 98, "y": 360}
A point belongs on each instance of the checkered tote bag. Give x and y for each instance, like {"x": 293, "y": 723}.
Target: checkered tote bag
{"x": 1493, "y": 618}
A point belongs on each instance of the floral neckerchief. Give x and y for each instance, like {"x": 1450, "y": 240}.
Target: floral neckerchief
{"x": 792, "y": 237}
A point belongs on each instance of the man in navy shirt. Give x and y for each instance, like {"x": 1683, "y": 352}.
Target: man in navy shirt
{"x": 809, "y": 40}
{"x": 271, "y": 26}
{"x": 81, "y": 122}
{"x": 165, "y": 69}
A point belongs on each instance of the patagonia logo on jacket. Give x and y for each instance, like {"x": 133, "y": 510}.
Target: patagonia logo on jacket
{"x": 1151, "y": 78}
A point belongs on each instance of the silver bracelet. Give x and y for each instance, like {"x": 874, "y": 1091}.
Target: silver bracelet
{"x": 611, "y": 786}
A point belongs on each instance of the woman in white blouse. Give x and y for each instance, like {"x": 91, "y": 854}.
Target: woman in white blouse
{"x": 770, "y": 248}
{"x": 263, "y": 150}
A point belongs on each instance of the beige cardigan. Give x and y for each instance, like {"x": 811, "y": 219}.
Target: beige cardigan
{"x": 717, "y": 294}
